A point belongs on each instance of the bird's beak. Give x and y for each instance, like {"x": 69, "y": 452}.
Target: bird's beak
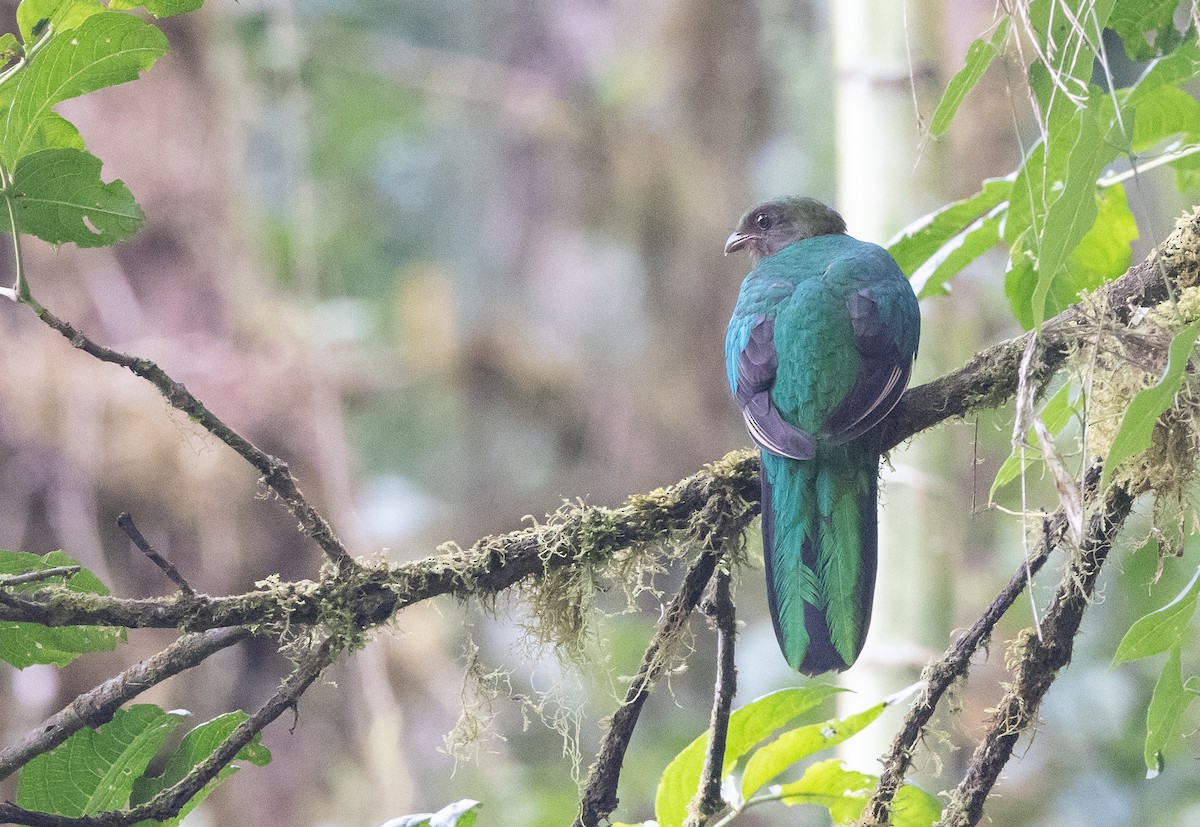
{"x": 737, "y": 241}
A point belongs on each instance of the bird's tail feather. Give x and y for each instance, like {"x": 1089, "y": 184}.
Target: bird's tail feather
{"x": 820, "y": 540}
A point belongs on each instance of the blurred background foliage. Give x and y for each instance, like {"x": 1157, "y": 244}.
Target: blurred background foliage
{"x": 458, "y": 262}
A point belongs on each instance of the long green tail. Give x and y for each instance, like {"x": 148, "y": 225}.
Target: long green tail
{"x": 820, "y": 544}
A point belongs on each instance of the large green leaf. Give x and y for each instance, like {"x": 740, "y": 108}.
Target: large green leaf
{"x": 105, "y": 49}
{"x": 795, "y": 745}
{"x": 1162, "y": 628}
{"x": 1165, "y": 113}
{"x": 1167, "y": 705}
{"x": 1180, "y": 66}
{"x": 979, "y": 56}
{"x": 58, "y": 196}
{"x": 845, "y": 792}
{"x": 196, "y": 746}
{"x": 1134, "y": 19}
{"x": 24, "y": 644}
{"x": 935, "y": 248}
{"x": 747, "y": 727}
{"x": 93, "y": 771}
{"x": 1137, "y": 426}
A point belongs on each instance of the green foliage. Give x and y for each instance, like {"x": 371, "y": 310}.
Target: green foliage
{"x": 196, "y": 746}
{"x": 24, "y": 644}
{"x": 1161, "y": 629}
{"x": 979, "y": 57}
{"x": 753, "y": 723}
{"x": 94, "y": 771}
{"x": 845, "y": 792}
{"x": 50, "y": 185}
{"x": 459, "y": 814}
{"x": 103, "y": 770}
{"x": 747, "y": 727}
{"x": 1137, "y": 426}
{"x": 1167, "y": 705}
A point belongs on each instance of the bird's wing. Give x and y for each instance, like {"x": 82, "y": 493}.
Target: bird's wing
{"x": 756, "y": 366}
{"x": 883, "y": 373}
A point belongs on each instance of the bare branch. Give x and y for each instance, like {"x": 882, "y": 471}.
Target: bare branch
{"x": 37, "y": 576}
{"x": 275, "y": 472}
{"x": 720, "y": 610}
{"x": 126, "y": 524}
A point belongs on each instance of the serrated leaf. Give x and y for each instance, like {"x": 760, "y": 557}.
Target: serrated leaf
{"x": 24, "y": 644}
{"x": 158, "y": 8}
{"x": 1162, "y": 628}
{"x": 747, "y": 727}
{"x": 195, "y": 747}
{"x": 107, "y": 48}
{"x": 1167, "y": 705}
{"x": 979, "y": 57}
{"x": 459, "y": 814}
{"x": 1137, "y": 425}
{"x": 94, "y": 770}
{"x": 1055, "y": 415}
{"x": 791, "y": 747}
{"x": 844, "y": 793}
{"x": 1133, "y": 19}
{"x": 58, "y": 196}
{"x": 62, "y": 15}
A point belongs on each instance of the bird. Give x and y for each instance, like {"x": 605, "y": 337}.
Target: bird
{"x": 819, "y": 349}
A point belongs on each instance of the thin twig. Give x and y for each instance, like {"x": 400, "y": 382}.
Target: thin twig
{"x": 97, "y": 706}
{"x": 275, "y": 472}
{"x": 600, "y": 793}
{"x": 126, "y": 524}
{"x": 37, "y": 576}
{"x": 720, "y": 610}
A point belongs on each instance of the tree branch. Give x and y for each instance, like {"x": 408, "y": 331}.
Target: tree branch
{"x": 275, "y": 472}
{"x": 97, "y": 706}
{"x": 720, "y": 610}
{"x": 1039, "y": 662}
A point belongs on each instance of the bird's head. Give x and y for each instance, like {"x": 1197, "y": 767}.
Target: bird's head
{"x": 769, "y": 227}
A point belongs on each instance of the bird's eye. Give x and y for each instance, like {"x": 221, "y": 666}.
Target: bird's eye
{"x": 762, "y": 221}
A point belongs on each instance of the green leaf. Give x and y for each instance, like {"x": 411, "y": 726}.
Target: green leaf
{"x": 1133, "y": 19}
{"x": 459, "y": 814}
{"x": 62, "y": 15}
{"x": 1133, "y": 436}
{"x": 1104, "y": 252}
{"x": 747, "y": 726}
{"x": 1055, "y": 415}
{"x": 1162, "y": 628}
{"x": 107, "y": 48}
{"x": 935, "y": 248}
{"x": 979, "y": 56}
{"x": 196, "y": 746}
{"x": 1180, "y": 66}
{"x": 845, "y": 792}
{"x": 1165, "y": 113}
{"x": 93, "y": 771}
{"x": 1073, "y": 212}
{"x": 1167, "y": 705}
{"x": 790, "y": 747}
{"x": 57, "y": 195}
{"x": 24, "y": 644}
{"x": 158, "y": 8}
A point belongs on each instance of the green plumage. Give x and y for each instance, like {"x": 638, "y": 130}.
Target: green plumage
{"x": 819, "y": 349}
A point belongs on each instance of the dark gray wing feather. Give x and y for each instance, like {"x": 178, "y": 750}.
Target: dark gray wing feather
{"x": 883, "y": 374}
{"x": 757, "y": 364}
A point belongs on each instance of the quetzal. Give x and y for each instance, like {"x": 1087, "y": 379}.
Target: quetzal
{"x": 819, "y": 349}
